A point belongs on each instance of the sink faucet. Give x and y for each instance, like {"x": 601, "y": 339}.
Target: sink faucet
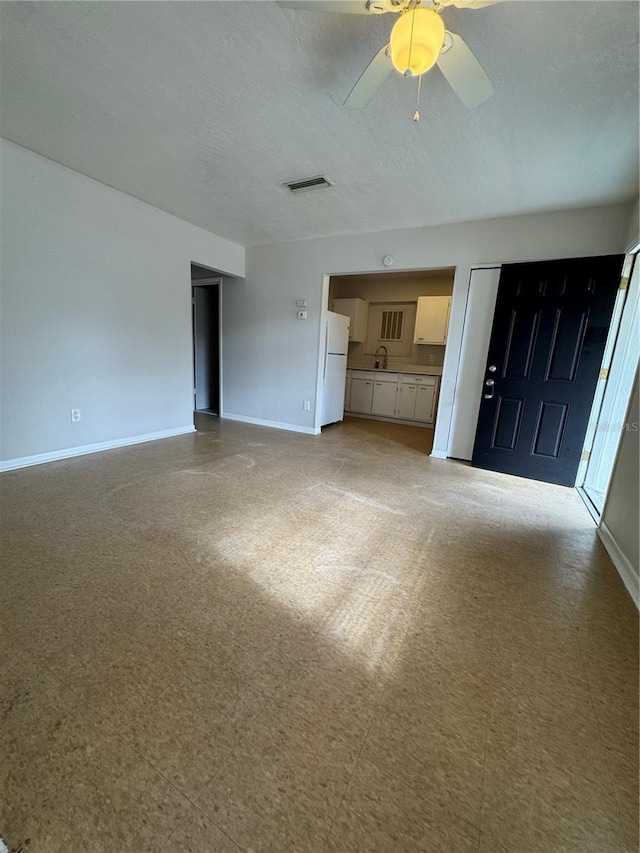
{"x": 384, "y": 356}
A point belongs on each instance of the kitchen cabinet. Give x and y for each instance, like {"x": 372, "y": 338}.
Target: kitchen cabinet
{"x": 425, "y": 403}
{"x": 357, "y": 310}
{"x": 361, "y": 395}
{"x": 416, "y": 398}
{"x": 407, "y": 401}
{"x": 432, "y": 320}
{"x": 397, "y": 396}
{"x": 384, "y": 397}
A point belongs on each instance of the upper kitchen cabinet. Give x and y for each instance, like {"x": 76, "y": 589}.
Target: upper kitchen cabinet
{"x": 432, "y": 320}
{"x": 357, "y": 310}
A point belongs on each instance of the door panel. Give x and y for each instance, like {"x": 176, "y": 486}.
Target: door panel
{"x": 521, "y": 342}
{"x": 507, "y": 424}
{"x": 547, "y": 342}
{"x": 566, "y": 345}
{"x": 407, "y": 401}
{"x": 361, "y": 395}
{"x": 384, "y": 399}
{"x": 425, "y": 400}
{"x": 547, "y": 437}
{"x": 333, "y": 388}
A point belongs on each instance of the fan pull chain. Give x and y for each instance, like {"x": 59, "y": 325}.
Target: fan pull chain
{"x": 416, "y": 115}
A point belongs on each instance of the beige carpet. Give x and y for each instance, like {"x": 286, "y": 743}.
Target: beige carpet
{"x": 250, "y": 640}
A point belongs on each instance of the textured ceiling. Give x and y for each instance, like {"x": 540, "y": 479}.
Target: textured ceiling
{"x": 204, "y": 109}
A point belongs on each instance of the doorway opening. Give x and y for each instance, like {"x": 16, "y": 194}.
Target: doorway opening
{"x": 397, "y": 339}
{"x": 205, "y": 312}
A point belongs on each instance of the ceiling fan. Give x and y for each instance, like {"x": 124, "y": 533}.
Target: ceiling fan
{"x": 418, "y": 41}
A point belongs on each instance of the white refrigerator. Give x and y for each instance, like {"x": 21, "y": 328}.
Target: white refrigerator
{"x": 335, "y": 367}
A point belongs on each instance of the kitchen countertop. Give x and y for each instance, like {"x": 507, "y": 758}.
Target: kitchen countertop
{"x": 425, "y": 369}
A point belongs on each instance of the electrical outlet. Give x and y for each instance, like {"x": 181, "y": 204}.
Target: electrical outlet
{"x": 307, "y": 405}
{"x": 75, "y": 416}
{"x": 302, "y": 315}
{"x": 432, "y": 358}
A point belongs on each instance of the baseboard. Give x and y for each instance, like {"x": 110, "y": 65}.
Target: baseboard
{"x": 439, "y": 454}
{"x": 69, "y": 452}
{"x": 272, "y": 424}
{"x": 383, "y": 419}
{"x": 624, "y": 568}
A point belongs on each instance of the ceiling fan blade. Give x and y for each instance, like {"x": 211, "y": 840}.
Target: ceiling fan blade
{"x": 348, "y": 7}
{"x": 469, "y": 4}
{"x": 464, "y": 73}
{"x": 370, "y": 80}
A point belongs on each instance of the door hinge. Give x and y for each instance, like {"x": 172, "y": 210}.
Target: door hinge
{"x": 624, "y": 283}
{"x": 586, "y": 455}
{"x": 604, "y": 373}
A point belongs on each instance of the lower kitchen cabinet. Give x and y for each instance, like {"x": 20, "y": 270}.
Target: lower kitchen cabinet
{"x": 407, "y": 401}
{"x": 361, "y": 395}
{"x": 398, "y": 396}
{"x": 425, "y": 403}
{"x": 417, "y": 398}
{"x": 384, "y": 398}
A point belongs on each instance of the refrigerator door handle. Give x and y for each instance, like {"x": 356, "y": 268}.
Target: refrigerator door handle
{"x": 326, "y": 354}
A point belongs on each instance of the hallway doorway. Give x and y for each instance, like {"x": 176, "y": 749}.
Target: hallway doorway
{"x": 205, "y": 308}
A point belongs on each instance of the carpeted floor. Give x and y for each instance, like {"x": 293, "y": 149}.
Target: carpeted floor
{"x": 251, "y": 640}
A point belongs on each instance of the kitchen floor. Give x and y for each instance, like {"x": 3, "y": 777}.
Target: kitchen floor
{"x": 252, "y": 640}
{"x": 415, "y": 438}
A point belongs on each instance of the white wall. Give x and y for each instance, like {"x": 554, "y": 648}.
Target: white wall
{"x": 96, "y": 309}
{"x": 633, "y": 233}
{"x": 271, "y": 359}
{"x": 619, "y": 522}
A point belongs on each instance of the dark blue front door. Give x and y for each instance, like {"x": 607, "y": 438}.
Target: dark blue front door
{"x": 547, "y": 342}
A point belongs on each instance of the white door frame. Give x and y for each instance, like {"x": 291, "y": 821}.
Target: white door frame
{"x": 624, "y": 326}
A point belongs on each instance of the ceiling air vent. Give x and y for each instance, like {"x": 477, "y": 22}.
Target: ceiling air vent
{"x": 308, "y": 184}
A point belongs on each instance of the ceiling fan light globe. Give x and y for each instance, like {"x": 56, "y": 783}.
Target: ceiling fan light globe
{"x": 416, "y": 41}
